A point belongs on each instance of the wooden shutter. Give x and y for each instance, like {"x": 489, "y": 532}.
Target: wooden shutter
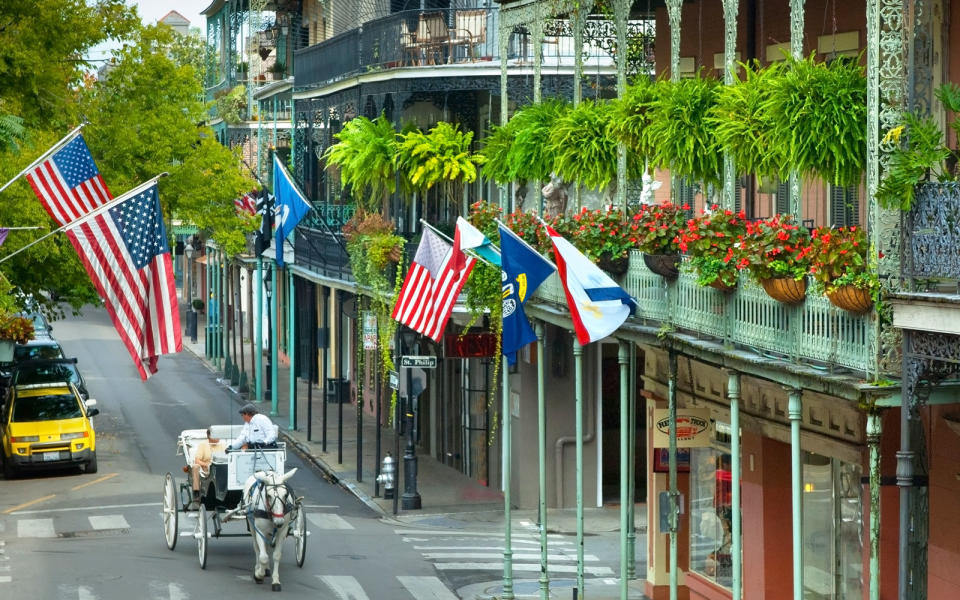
{"x": 783, "y": 198}
{"x": 844, "y": 206}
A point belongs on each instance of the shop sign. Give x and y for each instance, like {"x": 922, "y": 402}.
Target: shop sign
{"x": 470, "y": 345}
{"x": 369, "y": 331}
{"x": 693, "y": 428}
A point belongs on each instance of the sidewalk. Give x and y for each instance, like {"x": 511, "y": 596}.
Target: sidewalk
{"x": 450, "y": 499}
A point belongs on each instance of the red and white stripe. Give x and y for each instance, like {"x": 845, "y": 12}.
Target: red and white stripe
{"x": 63, "y": 204}
{"x": 142, "y": 303}
{"x": 425, "y": 304}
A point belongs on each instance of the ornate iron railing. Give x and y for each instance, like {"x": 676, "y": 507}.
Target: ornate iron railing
{"x": 323, "y": 252}
{"x": 933, "y": 232}
{"x": 815, "y": 332}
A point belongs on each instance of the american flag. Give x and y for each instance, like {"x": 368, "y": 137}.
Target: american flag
{"x": 247, "y": 204}
{"x": 126, "y": 254}
{"x": 431, "y": 287}
{"x": 68, "y": 182}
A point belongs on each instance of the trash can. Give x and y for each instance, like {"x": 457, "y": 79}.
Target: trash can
{"x": 192, "y": 325}
{"x": 338, "y": 390}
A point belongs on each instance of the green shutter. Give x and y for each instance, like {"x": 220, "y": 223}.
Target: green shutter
{"x": 844, "y": 206}
{"x": 783, "y": 198}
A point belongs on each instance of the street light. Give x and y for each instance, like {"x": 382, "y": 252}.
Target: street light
{"x": 187, "y": 283}
{"x": 411, "y": 498}
{"x": 268, "y": 284}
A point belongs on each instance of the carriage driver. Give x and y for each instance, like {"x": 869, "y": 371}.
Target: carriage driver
{"x": 202, "y": 459}
{"x": 258, "y": 430}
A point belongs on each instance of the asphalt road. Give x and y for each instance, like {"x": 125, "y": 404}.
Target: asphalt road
{"x": 72, "y": 535}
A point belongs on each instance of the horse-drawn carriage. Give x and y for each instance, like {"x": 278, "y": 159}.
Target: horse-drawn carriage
{"x": 243, "y": 485}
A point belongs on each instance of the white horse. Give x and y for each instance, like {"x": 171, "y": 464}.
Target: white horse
{"x": 270, "y": 503}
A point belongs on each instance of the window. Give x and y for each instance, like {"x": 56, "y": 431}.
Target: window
{"x": 783, "y": 198}
{"x": 711, "y": 510}
{"x": 844, "y": 206}
{"x": 832, "y": 529}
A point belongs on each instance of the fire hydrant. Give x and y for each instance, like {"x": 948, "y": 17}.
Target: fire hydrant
{"x": 387, "y": 476}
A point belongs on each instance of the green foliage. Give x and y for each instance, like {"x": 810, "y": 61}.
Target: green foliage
{"x": 12, "y": 132}
{"x": 657, "y": 227}
{"x": 232, "y": 104}
{"x": 582, "y": 149}
{"x": 681, "y": 135}
{"x": 496, "y": 152}
{"x": 820, "y": 109}
{"x": 743, "y": 126}
{"x": 631, "y": 116}
{"x": 713, "y": 240}
{"x": 442, "y": 155}
{"x": 777, "y": 248}
{"x": 484, "y": 288}
{"x": 530, "y": 157}
{"x": 18, "y": 329}
{"x": 842, "y": 256}
{"x": 913, "y": 161}
{"x": 365, "y": 153}
{"x": 598, "y": 233}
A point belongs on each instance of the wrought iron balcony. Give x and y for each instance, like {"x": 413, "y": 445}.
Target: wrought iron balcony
{"x": 814, "y": 332}
{"x": 323, "y": 251}
{"x": 932, "y": 261}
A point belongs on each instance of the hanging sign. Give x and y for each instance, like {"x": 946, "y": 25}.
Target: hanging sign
{"x": 369, "y": 331}
{"x": 693, "y": 428}
{"x": 470, "y": 345}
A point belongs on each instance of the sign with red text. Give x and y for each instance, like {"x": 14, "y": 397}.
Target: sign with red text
{"x": 693, "y": 428}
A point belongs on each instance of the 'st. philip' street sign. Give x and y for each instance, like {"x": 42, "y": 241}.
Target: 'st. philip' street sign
{"x": 423, "y": 362}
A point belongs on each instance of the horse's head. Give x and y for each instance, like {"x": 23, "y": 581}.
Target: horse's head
{"x": 277, "y": 496}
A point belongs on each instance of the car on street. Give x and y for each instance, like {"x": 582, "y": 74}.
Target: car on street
{"x": 40, "y": 347}
{"x": 41, "y": 325}
{"x": 54, "y": 370}
{"x": 46, "y": 425}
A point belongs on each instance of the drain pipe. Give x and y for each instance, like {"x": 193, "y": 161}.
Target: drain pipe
{"x": 569, "y": 439}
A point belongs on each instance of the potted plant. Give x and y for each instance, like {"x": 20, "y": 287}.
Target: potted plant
{"x": 197, "y": 304}
{"x": 713, "y": 240}
{"x": 530, "y": 156}
{"x": 13, "y": 330}
{"x": 582, "y": 149}
{"x": 365, "y": 154}
{"x": 631, "y": 114}
{"x": 779, "y": 256}
{"x": 372, "y": 245}
{"x": 442, "y": 157}
{"x": 842, "y": 265}
{"x": 657, "y": 228}
{"x": 604, "y": 236}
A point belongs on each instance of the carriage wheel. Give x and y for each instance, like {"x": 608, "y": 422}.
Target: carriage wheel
{"x": 170, "y": 517}
{"x": 201, "y": 534}
{"x": 300, "y": 535}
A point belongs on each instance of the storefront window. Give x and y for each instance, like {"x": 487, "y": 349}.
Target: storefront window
{"x": 711, "y": 510}
{"x": 832, "y": 529}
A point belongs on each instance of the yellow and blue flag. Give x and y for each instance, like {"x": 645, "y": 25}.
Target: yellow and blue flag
{"x": 522, "y": 270}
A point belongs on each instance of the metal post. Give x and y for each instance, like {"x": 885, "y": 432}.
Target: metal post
{"x": 258, "y": 334}
{"x": 311, "y": 368}
{"x": 225, "y": 312}
{"x": 411, "y": 498}
{"x": 396, "y": 429}
{"x": 730, "y": 10}
{"x": 379, "y": 398}
{"x": 273, "y": 343}
{"x": 733, "y": 393}
{"x": 209, "y": 296}
{"x": 674, "y": 493}
{"x": 632, "y": 485}
{"x": 578, "y": 407}
{"x": 506, "y": 460}
{"x": 542, "y": 455}
{"x": 622, "y": 356}
{"x": 874, "y": 430}
{"x": 292, "y": 348}
{"x": 338, "y": 309}
{"x": 795, "y": 414}
{"x": 796, "y": 51}
{"x": 326, "y": 364}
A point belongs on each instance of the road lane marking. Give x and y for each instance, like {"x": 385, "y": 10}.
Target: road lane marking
{"x": 328, "y": 521}
{"x": 454, "y": 532}
{"x": 499, "y": 555}
{"x": 498, "y": 566}
{"x": 35, "y": 528}
{"x": 81, "y": 508}
{"x": 178, "y": 593}
{"x": 5, "y": 579}
{"x": 344, "y": 586}
{"x": 104, "y": 478}
{"x": 85, "y": 593}
{"x": 426, "y": 588}
{"x": 26, "y": 504}
{"x": 108, "y": 522}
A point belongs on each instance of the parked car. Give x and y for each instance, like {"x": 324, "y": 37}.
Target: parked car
{"x": 47, "y": 425}
{"x": 43, "y": 370}
{"x": 41, "y": 347}
{"x": 41, "y": 326}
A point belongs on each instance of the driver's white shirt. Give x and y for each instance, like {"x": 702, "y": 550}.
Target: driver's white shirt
{"x": 259, "y": 430}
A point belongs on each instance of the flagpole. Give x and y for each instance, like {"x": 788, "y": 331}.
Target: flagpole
{"x": 468, "y": 250}
{"x": 524, "y": 242}
{"x": 23, "y": 228}
{"x": 53, "y": 149}
{"x": 97, "y": 211}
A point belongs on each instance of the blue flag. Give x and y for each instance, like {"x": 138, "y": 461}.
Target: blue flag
{"x": 290, "y": 208}
{"x": 522, "y": 272}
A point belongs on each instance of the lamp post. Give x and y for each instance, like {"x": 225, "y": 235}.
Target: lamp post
{"x": 191, "y": 313}
{"x": 411, "y": 498}
{"x": 268, "y": 285}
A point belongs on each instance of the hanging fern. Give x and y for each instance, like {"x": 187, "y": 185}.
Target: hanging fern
{"x": 12, "y": 132}
{"x": 530, "y": 157}
{"x": 682, "y": 138}
{"x": 365, "y": 153}
{"x": 744, "y": 128}
{"x": 441, "y": 157}
{"x": 495, "y": 150}
{"x": 582, "y": 149}
{"x": 820, "y": 109}
{"x": 631, "y": 116}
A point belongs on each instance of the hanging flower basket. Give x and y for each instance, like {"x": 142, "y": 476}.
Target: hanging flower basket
{"x": 718, "y": 284}
{"x": 785, "y": 289}
{"x": 851, "y": 298}
{"x": 664, "y": 265}
{"x": 614, "y": 266}
{"x": 6, "y": 350}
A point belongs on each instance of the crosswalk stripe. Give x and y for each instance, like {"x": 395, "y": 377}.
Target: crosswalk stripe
{"x": 35, "y": 528}
{"x": 462, "y": 566}
{"x": 491, "y": 534}
{"x": 177, "y": 592}
{"x": 426, "y": 588}
{"x": 5, "y": 579}
{"x": 328, "y": 521}
{"x": 494, "y": 556}
{"x": 108, "y": 522}
{"x": 85, "y": 593}
{"x": 344, "y": 586}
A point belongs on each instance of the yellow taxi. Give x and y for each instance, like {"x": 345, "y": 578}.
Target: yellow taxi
{"x": 46, "y": 425}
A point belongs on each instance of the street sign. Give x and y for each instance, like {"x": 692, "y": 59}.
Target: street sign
{"x": 394, "y": 380}
{"x": 423, "y": 362}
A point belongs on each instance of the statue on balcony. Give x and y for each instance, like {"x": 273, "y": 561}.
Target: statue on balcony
{"x": 555, "y": 196}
